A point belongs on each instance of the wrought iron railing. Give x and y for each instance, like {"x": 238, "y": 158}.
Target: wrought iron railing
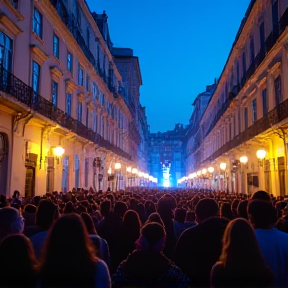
{"x": 23, "y": 93}
{"x": 272, "y": 118}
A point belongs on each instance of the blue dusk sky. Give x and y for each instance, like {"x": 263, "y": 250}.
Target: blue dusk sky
{"x": 182, "y": 46}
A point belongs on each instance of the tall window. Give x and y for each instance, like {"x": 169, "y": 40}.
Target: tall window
{"x": 275, "y": 16}
{"x": 254, "y": 110}
{"x": 244, "y": 63}
{"x": 239, "y": 121}
{"x": 95, "y": 91}
{"x": 6, "y": 46}
{"x": 278, "y": 92}
{"x": 94, "y": 121}
{"x": 54, "y": 93}
{"x": 68, "y": 103}
{"x": 88, "y": 37}
{"x": 56, "y": 46}
{"x": 79, "y": 112}
{"x": 77, "y": 171}
{"x": 86, "y": 172}
{"x": 37, "y": 23}
{"x": 87, "y": 83}
{"x": 245, "y": 117}
{"x": 81, "y": 76}
{"x": 252, "y": 49}
{"x": 264, "y": 102}
{"x": 69, "y": 62}
{"x": 237, "y": 71}
{"x": 262, "y": 36}
{"x": 35, "y": 76}
{"x": 87, "y": 117}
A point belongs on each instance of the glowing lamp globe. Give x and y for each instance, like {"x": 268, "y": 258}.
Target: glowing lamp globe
{"x": 223, "y": 166}
{"x": 244, "y": 159}
{"x": 117, "y": 166}
{"x": 261, "y": 154}
{"x": 134, "y": 171}
{"x": 204, "y": 171}
{"x": 211, "y": 169}
{"x": 128, "y": 169}
{"x": 59, "y": 151}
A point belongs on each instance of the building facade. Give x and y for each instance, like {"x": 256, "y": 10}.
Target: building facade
{"x": 244, "y": 128}
{"x": 63, "y": 120}
{"x": 167, "y": 156}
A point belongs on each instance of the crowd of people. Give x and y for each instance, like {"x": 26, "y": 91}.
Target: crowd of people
{"x": 144, "y": 237}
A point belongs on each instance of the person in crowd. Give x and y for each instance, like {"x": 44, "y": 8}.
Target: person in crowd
{"x": 155, "y": 217}
{"x": 242, "y": 209}
{"x": 16, "y": 200}
{"x": 149, "y": 208}
{"x": 29, "y": 215}
{"x": 199, "y": 247}
{"x": 18, "y": 265}
{"x": 129, "y": 232}
{"x": 147, "y": 266}
{"x": 261, "y": 195}
{"x": 273, "y": 243}
{"x": 234, "y": 207}
{"x": 47, "y": 213}
{"x": 179, "y": 221}
{"x": 108, "y": 228}
{"x": 165, "y": 207}
{"x": 102, "y": 249}
{"x": 69, "y": 258}
{"x": 10, "y": 222}
{"x": 282, "y": 223}
{"x": 190, "y": 220}
{"x": 241, "y": 263}
{"x": 226, "y": 210}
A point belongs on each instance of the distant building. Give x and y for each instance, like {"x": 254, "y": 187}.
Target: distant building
{"x": 200, "y": 104}
{"x": 167, "y": 156}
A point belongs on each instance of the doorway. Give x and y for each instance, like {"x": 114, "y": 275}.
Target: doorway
{"x": 3, "y": 162}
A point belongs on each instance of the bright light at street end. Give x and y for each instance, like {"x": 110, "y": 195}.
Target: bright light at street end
{"x": 117, "y": 166}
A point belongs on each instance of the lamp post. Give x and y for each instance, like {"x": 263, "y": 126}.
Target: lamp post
{"x": 243, "y": 161}
{"x": 211, "y": 170}
{"x": 134, "y": 173}
{"x": 128, "y": 175}
{"x": 223, "y": 166}
{"x": 261, "y": 154}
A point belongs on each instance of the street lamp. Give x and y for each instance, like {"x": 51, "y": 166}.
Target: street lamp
{"x": 58, "y": 152}
{"x": 223, "y": 166}
{"x": 243, "y": 161}
{"x": 261, "y": 154}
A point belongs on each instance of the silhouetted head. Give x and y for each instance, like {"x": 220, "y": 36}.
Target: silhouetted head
{"x": 206, "y": 208}
{"x": 46, "y": 213}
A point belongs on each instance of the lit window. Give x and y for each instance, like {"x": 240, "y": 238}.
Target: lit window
{"x": 69, "y": 62}
{"x": 56, "y": 46}
{"x": 81, "y": 76}
{"x": 68, "y": 103}
{"x": 54, "y": 93}
{"x": 254, "y": 110}
{"x": 37, "y": 23}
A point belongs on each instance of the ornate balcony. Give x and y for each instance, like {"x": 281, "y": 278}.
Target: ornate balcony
{"x": 25, "y": 94}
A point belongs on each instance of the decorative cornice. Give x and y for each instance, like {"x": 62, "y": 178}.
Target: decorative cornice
{"x": 80, "y": 97}
{"x": 15, "y": 11}
{"x": 56, "y": 73}
{"x": 9, "y": 24}
{"x": 70, "y": 85}
{"x": 38, "y": 54}
{"x": 275, "y": 68}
